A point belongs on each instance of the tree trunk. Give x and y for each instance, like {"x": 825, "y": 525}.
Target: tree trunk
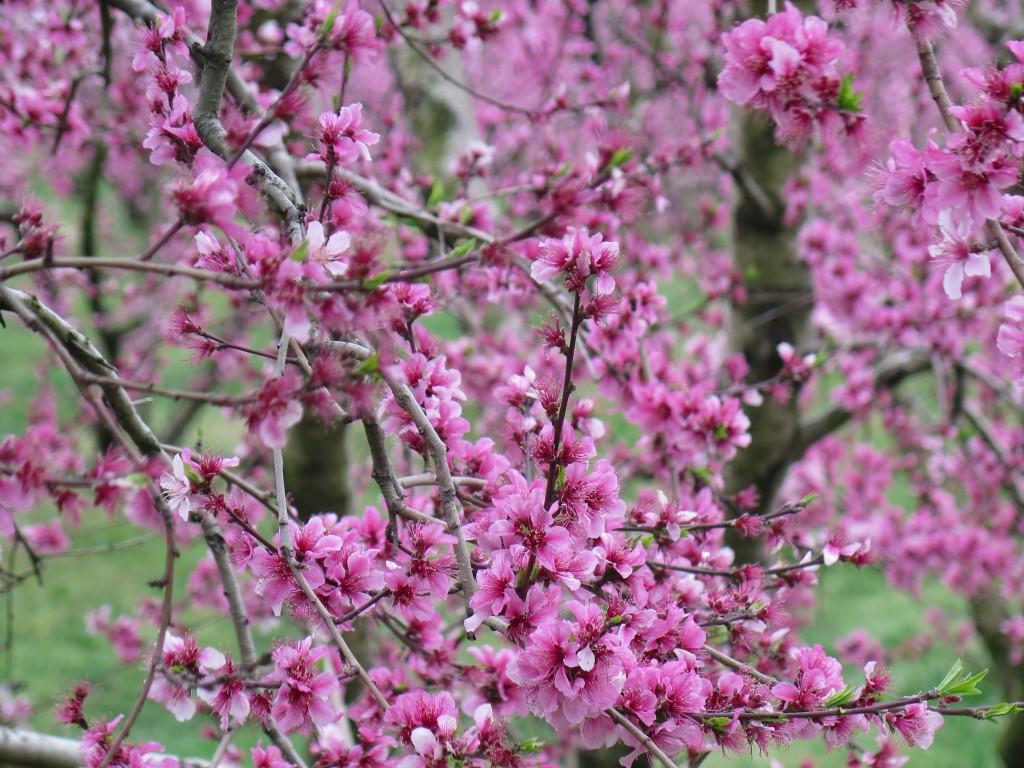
{"x": 777, "y": 309}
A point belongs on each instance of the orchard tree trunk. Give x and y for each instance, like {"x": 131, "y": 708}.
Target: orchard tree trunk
{"x": 776, "y": 309}
{"x": 989, "y": 611}
{"x": 316, "y": 468}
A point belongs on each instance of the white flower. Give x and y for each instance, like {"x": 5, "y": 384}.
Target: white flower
{"x": 177, "y": 488}
{"x": 327, "y": 251}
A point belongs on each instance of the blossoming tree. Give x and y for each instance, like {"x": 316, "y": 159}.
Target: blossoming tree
{"x": 555, "y": 340}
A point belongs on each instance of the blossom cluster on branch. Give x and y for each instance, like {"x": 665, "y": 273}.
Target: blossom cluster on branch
{"x": 496, "y": 237}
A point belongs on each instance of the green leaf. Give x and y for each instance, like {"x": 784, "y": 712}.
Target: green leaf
{"x": 955, "y": 683}
{"x": 328, "y": 24}
{"x": 621, "y": 157}
{"x": 462, "y": 249}
{"x": 376, "y": 281}
{"x": 1016, "y": 90}
{"x": 968, "y": 686}
{"x": 192, "y": 475}
{"x": 839, "y": 698}
{"x": 809, "y": 499}
{"x": 369, "y": 366}
{"x": 849, "y": 99}
{"x": 300, "y": 253}
{"x": 703, "y": 474}
{"x": 436, "y": 194}
{"x": 1001, "y": 710}
{"x": 496, "y": 15}
{"x": 953, "y": 673}
{"x": 718, "y": 723}
{"x": 560, "y": 480}
{"x": 531, "y": 745}
{"x": 563, "y": 171}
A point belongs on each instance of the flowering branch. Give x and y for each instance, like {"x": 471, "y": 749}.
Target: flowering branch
{"x": 642, "y": 737}
{"x": 937, "y": 89}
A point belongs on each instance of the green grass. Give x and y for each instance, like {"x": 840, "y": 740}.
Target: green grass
{"x": 44, "y": 623}
{"x": 52, "y": 650}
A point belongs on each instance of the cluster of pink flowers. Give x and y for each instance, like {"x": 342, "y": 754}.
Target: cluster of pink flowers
{"x": 325, "y": 26}
{"x": 786, "y": 66}
{"x": 577, "y": 257}
{"x": 959, "y": 187}
{"x": 189, "y": 481}
{"x": 333, "y": 560}
{"x": 557, "y": 418}
{"x": 342, "y": 138}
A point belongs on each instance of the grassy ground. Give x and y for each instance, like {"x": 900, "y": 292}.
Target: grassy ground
{"x": 46, "y": 648}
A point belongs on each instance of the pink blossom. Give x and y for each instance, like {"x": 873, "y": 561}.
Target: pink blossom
{"x": 419, "y": 709}
{"x": 276, "y": 583}
{"x": 786, "y": 65}
{"x": 303, "y": 699}
{"x": 352, "y": 32}
{"x": 819, "y": 677}
{"x": 905, "y": 177}
{"x": 962, "y": 253}
{"x": 270, "y": 757}
{"x": 72, "y": 709}
{"x": 353, "y": 576}
{"x": 406, "y": 596}
{"x": 971, "y": 186}
{"x": 124, "y": 633}
{"x": 211, "y": 195}
{"x": 156, "y": 41}
{"x": 917, "y": 724}
{"x": 211, "y": 255}
{"x": 98, "y": 739}
{"x": 208, "y": 466}
{"x": 172, "y": 135}
{"x": 227, "y": 698}
{"x": 565, "y": 678}
{"x": 492, "y": 596}
{"x": 276, "y": 410}
{"x": 1010, "y": 339}
{"x": 46, "y": 538}
{"x": 577, "y": 257}
{"x": 928, "y": 21}
{"x": 182, "y": 664}
{"x": 342, "y": 138}
{"x": 490, "y": 682}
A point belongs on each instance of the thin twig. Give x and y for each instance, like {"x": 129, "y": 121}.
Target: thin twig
{"x": 642, "y": 737}
{"x": 739, "y": 666}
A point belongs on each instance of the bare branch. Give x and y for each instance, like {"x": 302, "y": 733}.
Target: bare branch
{"x": 890, "y": 372}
